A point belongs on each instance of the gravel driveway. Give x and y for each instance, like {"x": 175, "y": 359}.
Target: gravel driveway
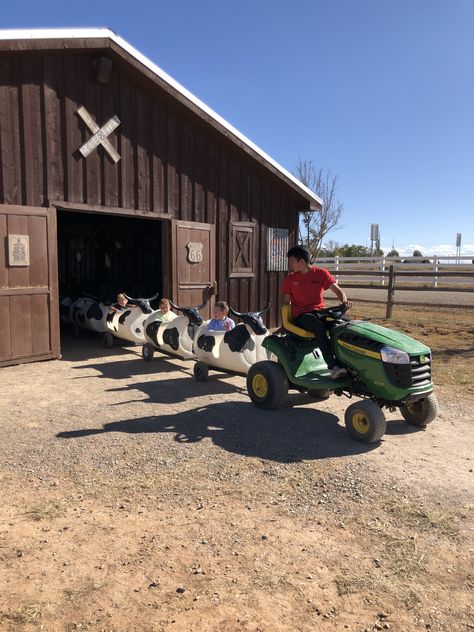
{"x": 137, "y": 498}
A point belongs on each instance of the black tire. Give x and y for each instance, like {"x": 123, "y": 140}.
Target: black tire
{"x": 108, "y": 340}
{"x": 422, "y": 412}
{"x": 148, "y": 352}
{"x": 320, "y": 393}
{"x": 201, "y": 371}
{"x": 365, "y": 421}
{"x": 267, "y": 384}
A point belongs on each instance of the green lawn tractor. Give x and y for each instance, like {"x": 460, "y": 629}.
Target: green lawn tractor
{"x": 385, "y": 368}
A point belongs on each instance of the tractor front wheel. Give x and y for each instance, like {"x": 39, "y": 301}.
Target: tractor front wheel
{"x": 365, "y": 421}
{"x": 267, "y": 384}
{"x": 422, "y": 412}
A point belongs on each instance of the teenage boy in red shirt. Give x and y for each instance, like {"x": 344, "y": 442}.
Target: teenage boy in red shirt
{"x": 304, "y": 288}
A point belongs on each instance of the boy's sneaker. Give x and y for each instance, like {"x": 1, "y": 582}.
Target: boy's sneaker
{"x": 337, "y": 371}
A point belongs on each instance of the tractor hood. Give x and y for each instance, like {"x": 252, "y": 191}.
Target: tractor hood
{"x": 384, "y": 336}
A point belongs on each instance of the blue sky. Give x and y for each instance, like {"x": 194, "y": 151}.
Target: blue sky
{"x": 380, "y": 92}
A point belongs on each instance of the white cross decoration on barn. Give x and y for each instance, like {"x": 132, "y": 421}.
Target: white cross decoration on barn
{"x": 100, "y": 135}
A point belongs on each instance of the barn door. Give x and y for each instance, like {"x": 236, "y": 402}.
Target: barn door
{"x": 193, "y": 262}
{"x": 29, "y": 312}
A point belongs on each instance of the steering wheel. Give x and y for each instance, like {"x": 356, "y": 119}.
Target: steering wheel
{"x": 335, "y": 312}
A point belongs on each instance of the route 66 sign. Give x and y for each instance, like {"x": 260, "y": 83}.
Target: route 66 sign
{"x": 194, "y": 251}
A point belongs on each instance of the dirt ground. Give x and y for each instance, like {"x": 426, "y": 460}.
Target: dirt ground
{"x": 135, "y": 498}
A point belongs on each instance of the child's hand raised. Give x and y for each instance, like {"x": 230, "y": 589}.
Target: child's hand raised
{"x": 227, "y": 325}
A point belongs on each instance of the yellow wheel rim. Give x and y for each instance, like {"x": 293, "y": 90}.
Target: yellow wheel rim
{"x": 260, "y": 385}
{"x": 360, "y": 423}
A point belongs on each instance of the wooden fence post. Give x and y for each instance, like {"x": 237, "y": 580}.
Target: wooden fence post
{"x": 391, "y": 291}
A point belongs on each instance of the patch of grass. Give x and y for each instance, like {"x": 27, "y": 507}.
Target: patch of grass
{"x": 81, "y": 592}
{"x": 45, "y": 511}
{"x": 30, "y": 612}
{"x": 411, "y": 599}
{"x": 349, "y": 585}
{"x": 402, "y": 557}
{"x": 422, "y": 519}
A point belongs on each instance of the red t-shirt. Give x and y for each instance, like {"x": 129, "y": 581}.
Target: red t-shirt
{"x": 306, "y": 289}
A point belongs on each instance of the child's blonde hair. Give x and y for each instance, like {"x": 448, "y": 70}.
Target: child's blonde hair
{"x": 121, "y": 296}
{"x": 165, "y": 301}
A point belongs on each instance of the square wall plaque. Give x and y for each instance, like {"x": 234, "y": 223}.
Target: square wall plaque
{"x": 18, "y": 250}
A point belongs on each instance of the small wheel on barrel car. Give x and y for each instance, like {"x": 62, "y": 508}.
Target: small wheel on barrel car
{"x": 201, "y": 371}
{"x": 108, "y": 340}
{"x": 148, "y": 352}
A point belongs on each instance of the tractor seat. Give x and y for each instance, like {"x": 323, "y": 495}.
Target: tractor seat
{"x": 290, "y": 327}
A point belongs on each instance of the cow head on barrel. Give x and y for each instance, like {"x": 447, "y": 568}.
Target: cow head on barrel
{"x": 192, "y": 313}
{"x": 253, "y": 319}
{"x": 143, "y": 303}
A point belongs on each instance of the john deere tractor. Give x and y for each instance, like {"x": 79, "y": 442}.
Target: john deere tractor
{"x": 385, "y": 368}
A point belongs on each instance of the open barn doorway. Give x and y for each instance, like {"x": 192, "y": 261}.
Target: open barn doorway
{"x": 101, "y": 255}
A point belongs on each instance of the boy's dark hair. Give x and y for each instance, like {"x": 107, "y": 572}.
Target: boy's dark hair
{"x": 298, "y": 252}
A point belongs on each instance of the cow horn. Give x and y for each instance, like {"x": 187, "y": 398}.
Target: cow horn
{"x": 198, "y": 307}
{"x": 234, "y": 313}
{"x": 174, "y": 306}
{"x": 265, "y": 309}
{"x": 152, "y": 298}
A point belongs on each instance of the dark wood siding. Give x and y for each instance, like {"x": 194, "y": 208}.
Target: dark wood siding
{"x": 172, "y": 162}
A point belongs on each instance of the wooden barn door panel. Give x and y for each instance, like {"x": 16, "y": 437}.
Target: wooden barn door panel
{"x": 28, "y": 293}
{"x": 193, "y": 264}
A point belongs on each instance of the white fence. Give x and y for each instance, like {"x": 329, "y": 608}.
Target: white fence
{"x": 379, "y": 265}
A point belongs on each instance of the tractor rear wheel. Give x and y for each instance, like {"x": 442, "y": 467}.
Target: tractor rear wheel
{"x": 267, "y": 384}
{"x": 422, "y": 412}
{"x": 365, "y": 421}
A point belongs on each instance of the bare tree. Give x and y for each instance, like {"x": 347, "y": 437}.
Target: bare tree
{"x": 317, "y": 224}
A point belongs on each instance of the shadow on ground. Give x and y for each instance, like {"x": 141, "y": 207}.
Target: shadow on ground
{"x": 173, "y": 391}
{"x": 284, "y": 435}
{"x": 123, "y": 369}
{"x": 88, "y": 346}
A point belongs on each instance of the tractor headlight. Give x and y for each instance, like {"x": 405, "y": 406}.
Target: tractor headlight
{"x": 394, "y": 356}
